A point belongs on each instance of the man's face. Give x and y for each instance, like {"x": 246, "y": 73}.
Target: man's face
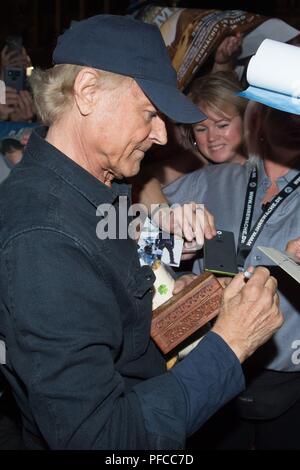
{"x": 122, "y": 127}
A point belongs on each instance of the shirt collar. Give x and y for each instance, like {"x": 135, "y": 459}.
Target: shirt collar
{"x": 73, "y": 174}
{"x": 262, "y": 176}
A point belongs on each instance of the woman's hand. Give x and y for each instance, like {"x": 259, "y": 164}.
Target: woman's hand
{"x": 11, "y": 59}
{"x": 182, "y": 282}
{"x": 190, "y": 221}
{"x": 293, "y": 248}
{"x": 227, "y": 52}
{"x": 23, "y": 109}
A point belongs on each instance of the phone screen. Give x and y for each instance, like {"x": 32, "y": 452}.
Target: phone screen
{"x": 220, "y": 254}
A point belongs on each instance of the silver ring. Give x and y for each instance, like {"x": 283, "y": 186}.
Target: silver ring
{"x": 247, "y": 274}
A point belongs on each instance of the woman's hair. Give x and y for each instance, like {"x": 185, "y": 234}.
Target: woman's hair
{"x": 217, "y": 92}
{"x": 53, "y": 89}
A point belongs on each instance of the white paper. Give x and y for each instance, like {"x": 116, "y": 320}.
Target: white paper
{"x": 274, "y": 28}
{"x": 274, "y": 76}
{"x": 284, "y": 260}
{"x": 276, "y": 67}
{"x": 2, "y": 92}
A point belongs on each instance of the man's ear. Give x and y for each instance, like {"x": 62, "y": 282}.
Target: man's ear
{"x": 86, "y": 90}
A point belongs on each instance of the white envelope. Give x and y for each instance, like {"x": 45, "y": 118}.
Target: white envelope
{"x": 284, "y": 260}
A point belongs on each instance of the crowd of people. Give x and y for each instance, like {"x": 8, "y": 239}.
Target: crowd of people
{"x": 80, "y": 370}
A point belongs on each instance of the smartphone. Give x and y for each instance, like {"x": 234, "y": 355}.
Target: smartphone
{"x": 220, "y": 254}
{"x": 14, "y": 77}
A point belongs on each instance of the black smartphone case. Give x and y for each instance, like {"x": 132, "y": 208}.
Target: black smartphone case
{"x": 220, "y": 254}
{"x": 14, "y": 77}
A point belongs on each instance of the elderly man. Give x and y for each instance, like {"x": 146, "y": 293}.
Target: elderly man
{"x": 75, "y": 308}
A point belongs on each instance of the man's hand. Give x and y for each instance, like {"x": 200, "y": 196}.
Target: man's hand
{"x": 182, "y": 282}
{"x": 293, "y": 248}
{"x": 250, "y": 312}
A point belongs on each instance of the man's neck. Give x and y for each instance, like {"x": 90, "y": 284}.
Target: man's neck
{"x": 64, "y": 137}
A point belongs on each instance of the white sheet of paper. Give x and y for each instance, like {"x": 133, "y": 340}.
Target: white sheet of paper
{"x": 283, "y": 260}
{"x": 274, "y": 76}
{"x": 276, "y": 67}
{"x": 274, "y": 28}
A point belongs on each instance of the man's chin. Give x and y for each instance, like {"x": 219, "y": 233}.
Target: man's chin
{"x": 133, "y": 171}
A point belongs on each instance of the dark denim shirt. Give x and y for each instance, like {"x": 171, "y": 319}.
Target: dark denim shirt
{"x": 75, "y": 316}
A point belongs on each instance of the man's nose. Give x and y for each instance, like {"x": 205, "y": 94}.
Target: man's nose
{"x": 159, "y": 133}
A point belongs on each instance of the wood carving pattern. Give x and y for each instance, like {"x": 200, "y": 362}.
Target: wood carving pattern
{"x": 184, "y": 314}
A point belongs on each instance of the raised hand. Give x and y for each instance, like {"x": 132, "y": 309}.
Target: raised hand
{"x": 227, "y": 52}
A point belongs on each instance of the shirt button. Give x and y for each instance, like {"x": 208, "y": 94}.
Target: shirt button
{"x": 257, "y": 257}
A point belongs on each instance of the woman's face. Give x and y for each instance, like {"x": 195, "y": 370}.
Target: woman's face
{"x": 220, "y": 136}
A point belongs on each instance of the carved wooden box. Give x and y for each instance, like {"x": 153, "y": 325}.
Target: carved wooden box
{"x": 186, "y": 312}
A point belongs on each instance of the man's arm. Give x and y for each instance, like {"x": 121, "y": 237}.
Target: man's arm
{"x": 65, "y": 345}
{"x": 66, "y": 342}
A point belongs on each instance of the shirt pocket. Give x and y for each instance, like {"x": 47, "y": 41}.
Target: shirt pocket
{"x": 142, "y": 292}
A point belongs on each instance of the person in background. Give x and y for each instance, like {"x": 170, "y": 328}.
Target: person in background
{"x": 19, "y": 105}
{"x": 76, "y": 304}
{"x": 179, "y": 157}
{"x": 217, "y": 139}
{"x": 267, "y": 414}
{"x": 12, "y": 150}
{"x": 12, "y": 147}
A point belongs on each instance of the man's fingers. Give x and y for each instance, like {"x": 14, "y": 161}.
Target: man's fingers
{"x": 271, "y": 284}
{"x": 260, "y": 276}
{"x": 235, "y": 287}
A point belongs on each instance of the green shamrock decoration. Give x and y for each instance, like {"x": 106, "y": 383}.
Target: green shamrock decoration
{"x": 162, "y": 289}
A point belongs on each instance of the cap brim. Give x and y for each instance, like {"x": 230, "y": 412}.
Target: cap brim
{"x": 171, "y": 102}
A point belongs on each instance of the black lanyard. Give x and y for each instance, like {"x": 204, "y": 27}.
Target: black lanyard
{"x": 248, "y": 236}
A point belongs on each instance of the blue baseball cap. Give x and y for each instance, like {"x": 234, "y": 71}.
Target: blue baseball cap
{"x": 123, "y": 45}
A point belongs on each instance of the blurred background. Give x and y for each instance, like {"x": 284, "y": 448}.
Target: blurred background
{"x": 41, "y": 21}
